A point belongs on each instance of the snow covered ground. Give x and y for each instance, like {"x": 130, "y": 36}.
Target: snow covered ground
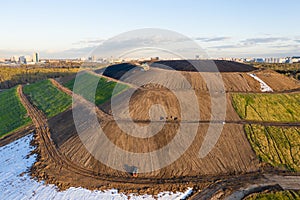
{"x": 263, "y": 86}
{"x": 14, "y": 184}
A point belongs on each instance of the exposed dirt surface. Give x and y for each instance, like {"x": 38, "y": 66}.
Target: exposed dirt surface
{"x": 64, "y": 160}
{"x": 65, "y": 166}
{"x": 234, "y": 75}
{"x": 278, "y": 82}
{"x": 143, "y": 99}
{"x": 183, "y": 80}
{"x": 232, "y": 153}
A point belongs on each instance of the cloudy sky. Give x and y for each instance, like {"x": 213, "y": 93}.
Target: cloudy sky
{"x": 73, "y": 28}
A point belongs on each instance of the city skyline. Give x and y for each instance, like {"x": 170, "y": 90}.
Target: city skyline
{"x": 71, "y": 29}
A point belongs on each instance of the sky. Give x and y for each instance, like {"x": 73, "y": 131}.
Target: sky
{"x": 71, "y": 28}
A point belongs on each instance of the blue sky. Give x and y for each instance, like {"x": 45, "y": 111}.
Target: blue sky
{"x": 226, "y": 28}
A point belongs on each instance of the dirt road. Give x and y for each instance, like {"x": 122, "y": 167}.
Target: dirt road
{"x": 236, "y": 188}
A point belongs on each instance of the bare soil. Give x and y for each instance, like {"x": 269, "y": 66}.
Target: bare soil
{"x": 278, "y": 82}
{"x": 64, "y": 160}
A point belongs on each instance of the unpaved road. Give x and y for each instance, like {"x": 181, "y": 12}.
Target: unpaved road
{"x": 251, "y": 185}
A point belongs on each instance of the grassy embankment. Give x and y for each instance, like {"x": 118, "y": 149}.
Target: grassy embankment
{"x": 268, "y": 107}
{"x": 13, "y": 115}
{"x": 47, "y": 97}
{"x": 278, "y": 146}
{"x": 280, "y": 195}
{"x": 99, "y": 95}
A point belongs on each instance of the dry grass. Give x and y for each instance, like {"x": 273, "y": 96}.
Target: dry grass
{"x": 275, "y": 195}
{"x": 277, "y": 146}
{"x": 12, "y": 76}
{"x": 268, "y": 107}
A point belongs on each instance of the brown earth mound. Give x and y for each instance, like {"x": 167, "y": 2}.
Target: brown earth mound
{"x": 65, "y": 161}
{"x": 118, "y": 70}
{"x": 143, "y": 99}
{"x": 277, "y": 81}
{"x": 232, "y": 153}
{"x": 233, "y": 75}
{"x": 233, "y": 81}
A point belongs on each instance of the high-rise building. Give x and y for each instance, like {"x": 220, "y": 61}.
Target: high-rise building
{"x": 35, "y": 57}
{"x": 22, "y": 60}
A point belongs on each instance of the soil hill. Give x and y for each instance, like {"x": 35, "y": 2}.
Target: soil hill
{"x": 232, "y": 153}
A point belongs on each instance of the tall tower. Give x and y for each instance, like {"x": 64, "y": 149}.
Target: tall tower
{"x": 35, "y": 57}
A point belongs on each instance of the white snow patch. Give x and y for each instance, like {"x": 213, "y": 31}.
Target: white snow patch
{"x": 263, "y": 86}
{"x": 14, "y": 161}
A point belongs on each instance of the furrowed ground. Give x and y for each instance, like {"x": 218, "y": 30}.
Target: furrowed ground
{"x": 268, "y": 107}
{"x": 12, "y": 113}
{"x": 104, "y": 91}
{"x": 48, "y": 98}
{"x": 277, "y": 146}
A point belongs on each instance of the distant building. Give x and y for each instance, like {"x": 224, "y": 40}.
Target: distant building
{"x": 92, "y": 59}
{"x": 248, "y": 60}
{"x": 22, "y": 60}
{"x": 276, "y": 60}
{"x": 35, "y": 57}
{"x": 25, "y": 60}
{"x": 295, "y": 59}
{"x": 259, "y": 60}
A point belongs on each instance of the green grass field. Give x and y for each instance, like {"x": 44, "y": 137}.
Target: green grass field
{"x": 99, "y": 95}
{"x": 47, "y": 97}
{"x": 280, "y": 195}
{"x": 12, "y": 113}
{"x": 268, "y": 107}
{"x": 277, "y": 146}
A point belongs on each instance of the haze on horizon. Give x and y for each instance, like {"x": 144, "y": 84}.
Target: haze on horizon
{"x": 70, "y": 29}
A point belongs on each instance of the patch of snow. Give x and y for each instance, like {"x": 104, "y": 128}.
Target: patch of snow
{"x": 263, "y": 86}
{"x": 14, "y": 184}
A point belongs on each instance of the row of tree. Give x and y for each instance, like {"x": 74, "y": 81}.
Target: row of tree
{"x": 12, "y": 76}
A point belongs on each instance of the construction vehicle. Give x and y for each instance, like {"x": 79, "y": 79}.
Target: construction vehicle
{"x": 135, "y": 172}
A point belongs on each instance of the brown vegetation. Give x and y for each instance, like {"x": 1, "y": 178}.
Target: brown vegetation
{"x": 12, "y": 76}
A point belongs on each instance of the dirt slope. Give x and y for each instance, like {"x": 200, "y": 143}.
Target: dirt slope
{"x": 232, "y": 153}
{"x": 278, "y": 82}
{"x": 143, "y": 99}
{"x": 235, "y": 76}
